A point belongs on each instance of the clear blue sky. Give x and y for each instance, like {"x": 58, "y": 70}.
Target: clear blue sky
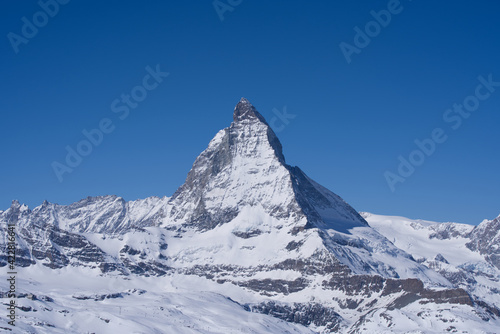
{"x": 352, "y": 120}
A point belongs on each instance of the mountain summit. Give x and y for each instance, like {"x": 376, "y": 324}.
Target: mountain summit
{"x": 245, "y": 110}
{"x": 244, "y": 167}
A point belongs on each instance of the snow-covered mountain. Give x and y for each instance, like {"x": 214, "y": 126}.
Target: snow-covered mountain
{"x": 247, "y": 236}
{"x": 468, "y": 256}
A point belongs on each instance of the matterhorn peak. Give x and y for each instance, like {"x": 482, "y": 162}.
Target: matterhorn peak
{"x": 242, "y": 169}
{"x": 246, "y": 114}
{"x": 244, "y": 110}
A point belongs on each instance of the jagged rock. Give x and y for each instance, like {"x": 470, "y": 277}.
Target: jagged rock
{"x": 304, "y": 314}
{"x": 485, "y": 238}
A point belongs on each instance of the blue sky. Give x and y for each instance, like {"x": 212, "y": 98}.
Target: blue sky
{"x": 352, "y": 120}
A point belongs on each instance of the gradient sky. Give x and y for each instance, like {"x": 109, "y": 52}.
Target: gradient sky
{"x": 353, "y": 120}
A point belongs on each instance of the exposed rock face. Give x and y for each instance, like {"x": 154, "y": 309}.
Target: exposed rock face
{"x": 242, "y": 166}
{"x": 304, "y": 314}
{"x": 485, "y": 238}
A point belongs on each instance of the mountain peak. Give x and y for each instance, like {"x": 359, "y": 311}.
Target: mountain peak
{"x": 245, "y": 110}
{"x": 244, "y": 168}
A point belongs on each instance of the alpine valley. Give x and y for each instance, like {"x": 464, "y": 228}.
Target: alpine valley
{"x": 248, "y": 244}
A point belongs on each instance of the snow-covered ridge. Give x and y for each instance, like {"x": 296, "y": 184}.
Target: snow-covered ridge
{"x": 101, "y": 214}
{"x": 465, "y": 254}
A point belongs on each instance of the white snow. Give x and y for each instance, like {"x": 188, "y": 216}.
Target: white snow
{"x": 413, "y": 236}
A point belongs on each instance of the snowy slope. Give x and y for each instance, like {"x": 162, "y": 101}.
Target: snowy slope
{"x": 421, "y": 239}
{"x": 81, "y": 301}
{"x": 462, "y": 253}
